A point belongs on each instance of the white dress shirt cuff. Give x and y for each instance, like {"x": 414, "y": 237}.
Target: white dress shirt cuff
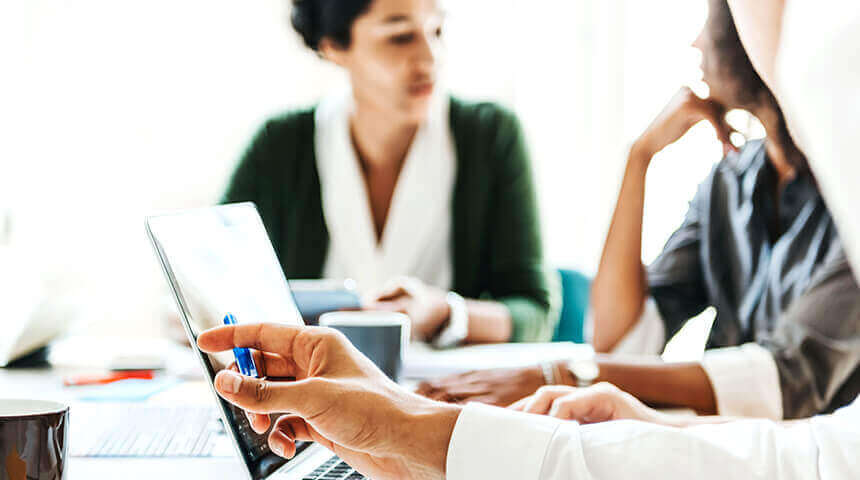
{"x": 745, "y": 381}
{"x": 491, "y": 442}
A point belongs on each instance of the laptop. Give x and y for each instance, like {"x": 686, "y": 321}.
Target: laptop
{"x": 219, "y": 260}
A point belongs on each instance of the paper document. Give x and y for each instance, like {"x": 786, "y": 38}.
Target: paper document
{"x": 422, "y": 361}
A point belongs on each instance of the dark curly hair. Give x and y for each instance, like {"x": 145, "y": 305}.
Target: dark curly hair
{"x": 733, "y": 56}
{"x": 318, "y": 19}
{"x": 750, "y": 88}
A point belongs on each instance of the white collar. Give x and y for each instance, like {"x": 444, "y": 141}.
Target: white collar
{"x": 419, "y": 218}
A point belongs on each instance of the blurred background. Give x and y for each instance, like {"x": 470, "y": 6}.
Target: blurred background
{"x": 114, "y": 110}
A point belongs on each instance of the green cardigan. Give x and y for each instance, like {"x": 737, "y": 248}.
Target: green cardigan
{"x": 496, "y": 240}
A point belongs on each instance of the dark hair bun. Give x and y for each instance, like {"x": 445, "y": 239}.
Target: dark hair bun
{"x": 318, "y": 19}
{"x": 305, "y": 19}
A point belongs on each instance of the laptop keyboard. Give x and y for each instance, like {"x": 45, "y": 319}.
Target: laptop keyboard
{"x": 334, "y": 469}
{"x": 156, "y": 431}
{"x": 153, "y": 432}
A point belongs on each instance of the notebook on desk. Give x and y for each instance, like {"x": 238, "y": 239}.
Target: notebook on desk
{"x": 424, "y": 362}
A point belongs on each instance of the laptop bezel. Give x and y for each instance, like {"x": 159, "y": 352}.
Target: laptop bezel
{"x": 185, "y": 316}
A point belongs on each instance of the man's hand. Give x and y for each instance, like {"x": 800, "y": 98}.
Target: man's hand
{"x": 678, "y": 117}
{"x": 426, "y": 306}
{"x": 338, "y": 399}
{"x": 499, "y": 387}
{"x": 598, "y": 403}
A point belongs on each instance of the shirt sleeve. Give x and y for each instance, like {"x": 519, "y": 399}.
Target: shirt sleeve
{"x": 745, "y": 380}
{"x": 517, "y": 277}
{"x": 675, "y": 278}
{"x": 245, "y": 180}
{"x": 816, "y": 345}
{"x": 743, "y": 449}
{"x": 254, "y": 179}
{"x": 489, "y": 442}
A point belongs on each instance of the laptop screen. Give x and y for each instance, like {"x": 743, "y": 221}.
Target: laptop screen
{"x": 217, "y": 261}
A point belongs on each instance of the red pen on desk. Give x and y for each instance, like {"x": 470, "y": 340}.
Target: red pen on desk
{"x": 101, "y": 379}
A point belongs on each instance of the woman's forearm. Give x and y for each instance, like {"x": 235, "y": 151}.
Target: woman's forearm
{"x": 489, "y": 322}
{"x": 620, "y": 287}
{"x": 655, "y": 382}
{"x": 675, "y": 385}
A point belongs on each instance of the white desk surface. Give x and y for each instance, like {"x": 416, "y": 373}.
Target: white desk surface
{"x": 47, "y": 384}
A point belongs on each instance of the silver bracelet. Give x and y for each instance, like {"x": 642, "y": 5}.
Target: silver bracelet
{"x": 548, "y": 370}
{"x": 458, "y": 323}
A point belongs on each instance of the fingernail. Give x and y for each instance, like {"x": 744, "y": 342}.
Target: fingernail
{"x": 277, "y": 448}
{"x": 231, "y": 382}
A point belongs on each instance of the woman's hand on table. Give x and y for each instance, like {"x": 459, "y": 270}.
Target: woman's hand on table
{"x": 426, "y": 306}
{"x": 500, "y": 387}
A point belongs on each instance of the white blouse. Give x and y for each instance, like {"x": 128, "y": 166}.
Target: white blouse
{"x": 416, "y": 240}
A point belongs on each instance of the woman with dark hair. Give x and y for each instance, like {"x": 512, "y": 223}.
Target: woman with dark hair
{"x": 758, "y": 244}
{"x": 419, "y": 197}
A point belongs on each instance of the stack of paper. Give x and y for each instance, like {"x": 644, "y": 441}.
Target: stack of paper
{"x": 424, "y": 362}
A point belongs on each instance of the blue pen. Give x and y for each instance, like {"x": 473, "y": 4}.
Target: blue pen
{"x": 244, "y": 360}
